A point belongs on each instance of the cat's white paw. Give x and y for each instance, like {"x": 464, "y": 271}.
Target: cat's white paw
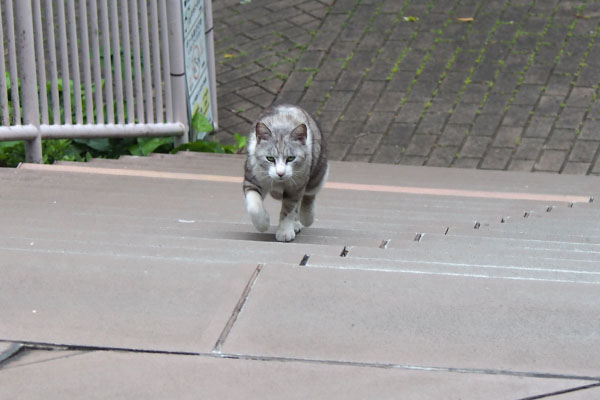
{"x": 259, "y": 216}
{"x": 298, "y": 226}
{"x": 285, "y": 235}
{"x": 285, "y": 232}
{"x": 261, "y": 220}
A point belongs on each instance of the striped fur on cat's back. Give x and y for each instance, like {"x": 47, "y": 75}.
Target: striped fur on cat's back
{"x": 287, "y": 158}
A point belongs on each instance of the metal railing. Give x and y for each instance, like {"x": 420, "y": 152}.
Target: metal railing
{"x": 91, "y": 68}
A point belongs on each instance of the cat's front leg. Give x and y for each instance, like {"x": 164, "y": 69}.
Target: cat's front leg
{"x": 288, "y": 219}
{"x": 259, "y": 216}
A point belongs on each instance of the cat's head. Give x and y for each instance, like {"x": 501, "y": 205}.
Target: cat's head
{"x": 279, "y": 151}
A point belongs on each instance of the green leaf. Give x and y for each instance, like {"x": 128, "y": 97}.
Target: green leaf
{"x": 145, "y": 146}
{"x": 96, "y": 144}
{"x": 200, "y": 123}
{"x": 242, "y": 141}
{"x": 200, "y": 146}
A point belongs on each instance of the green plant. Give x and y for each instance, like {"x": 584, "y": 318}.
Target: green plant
{"x": 12, "y": 153}
{"x": 207, "y": 146}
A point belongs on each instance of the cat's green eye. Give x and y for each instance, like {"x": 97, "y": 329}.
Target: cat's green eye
{"x": 270, "y": 159}
{"x": 290, "y": 159}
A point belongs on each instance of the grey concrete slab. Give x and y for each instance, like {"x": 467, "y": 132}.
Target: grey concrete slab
{"x": 525, "y": 270}
{"x": 206, "y": 163}
{"x": 363, "y": 201}
{"x": 384, "y": 174}
{"x": 468, "y": 253}
{"x": 512, "y": 243}
{"x": 159, "y": 263}
{"x": 421, "y": 320}
{"x": 139, "y": 303}
{"x": 101, "y": 375}
{"x": 519, "y": 234}
{"x": 465, "y": 179}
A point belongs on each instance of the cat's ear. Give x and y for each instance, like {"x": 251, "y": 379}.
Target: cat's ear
{"x": 262, "y": 132}
{"x": 299, "y": 133}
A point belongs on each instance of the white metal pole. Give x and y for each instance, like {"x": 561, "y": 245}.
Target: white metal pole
{"x": 26, "y": 60}
{"x": 210, "y": 59}
{"x": 176, "y": 55}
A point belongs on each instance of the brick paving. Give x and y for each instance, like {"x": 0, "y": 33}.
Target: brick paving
{"x": 497, "y": 84}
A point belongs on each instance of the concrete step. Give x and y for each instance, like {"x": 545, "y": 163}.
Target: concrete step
{"x": 83, "y": 299}
{"x": 419, "y": 320}
{"x": 172, "y": 376}
{"x": 150, "y": 255}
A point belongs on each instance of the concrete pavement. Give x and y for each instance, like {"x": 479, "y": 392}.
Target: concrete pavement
{"x": 143, "y": 278}
{"x": 495, "y": 84}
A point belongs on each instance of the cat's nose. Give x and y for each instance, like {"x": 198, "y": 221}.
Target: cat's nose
{"x": 281, "y": 173}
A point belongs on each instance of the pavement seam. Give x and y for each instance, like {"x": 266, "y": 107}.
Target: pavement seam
{"x": 359, "y": 364}
{"x": 560, "y": 392}
{"x": 13, "y": 349}
{"x": 237, "y": 310}
{"x": 479, "y": 371}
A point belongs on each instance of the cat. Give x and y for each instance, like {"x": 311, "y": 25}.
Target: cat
{"x": 287, "y": 157}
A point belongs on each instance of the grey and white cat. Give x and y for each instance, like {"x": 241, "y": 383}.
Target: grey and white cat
{"x": 286, "y": 158}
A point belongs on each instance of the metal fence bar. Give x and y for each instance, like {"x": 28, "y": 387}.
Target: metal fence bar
{"x": 116, "y": 60}
{"x": 137, "y": 63}
{"x": 19, "y": 132}
{"x": 96, "y": 67}
{"x": 3, "y": 88}
{"x": 40, "y": 58}
{"x": 147, "y": 62}
{"x": 26, "y": 59}
{"x": 166, "y": 66}
{"x": 52, "y": 65}
{"x": 31, "y": 132}
{"x": 176, "y": 58}
{"x": 103, "y": 131}
{"x": 12, "y": 62}
{"x": 127, "y": 62}
{"x": 108, "y": 89}
{"x": 157, "y": 94}
{"x": 85, "y": 61}
{"x": 127, "y": 57}
{"x": 73, "y": 40}
{"x": 212, "y": 72}
{"x": 64, "y": 62}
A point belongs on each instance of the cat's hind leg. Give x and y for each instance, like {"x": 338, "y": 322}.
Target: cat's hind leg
{"x": 259, "y": 216}
{"x": 307, "y": 210}
{"x": 306, "y": 213}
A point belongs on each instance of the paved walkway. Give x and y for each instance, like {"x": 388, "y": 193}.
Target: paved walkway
{"x": 144, "y": 278}
{"x": 497, "y": 84}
